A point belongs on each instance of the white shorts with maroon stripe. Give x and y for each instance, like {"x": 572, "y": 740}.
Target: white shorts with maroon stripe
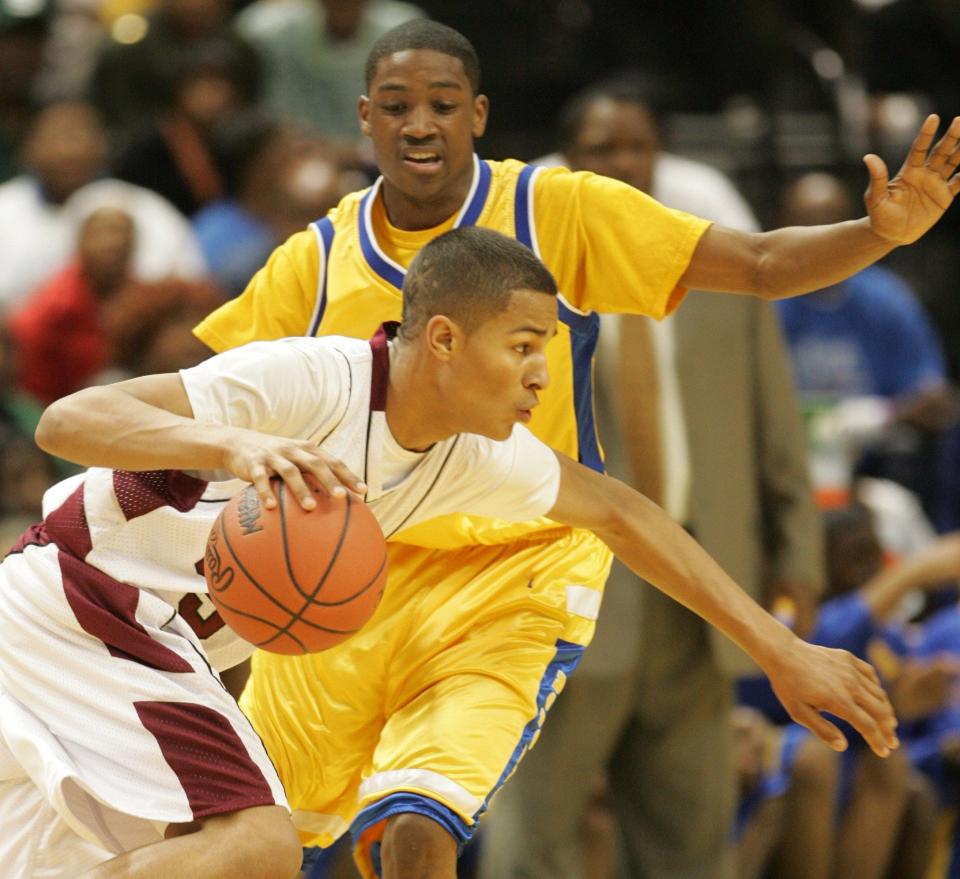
{"x": 108, "y": 705}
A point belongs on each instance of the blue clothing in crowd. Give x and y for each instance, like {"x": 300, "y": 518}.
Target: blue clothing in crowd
{"x": 868, "y": 336}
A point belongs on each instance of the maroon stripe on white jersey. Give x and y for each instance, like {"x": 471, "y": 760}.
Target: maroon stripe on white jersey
{"x": 106, "y": 609}
{"x": 67, "y": 525}
{"x": 207, "y": 756}
{"x": 35, "y": 535}
{"x": 139, "y": 493}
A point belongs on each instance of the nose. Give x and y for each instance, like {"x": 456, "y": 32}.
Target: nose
{"x": 538, "y": 378}
{"x": 419, "y": 123}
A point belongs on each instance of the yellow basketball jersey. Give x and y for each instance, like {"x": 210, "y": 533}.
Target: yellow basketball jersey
{"x": 609, "y": 246}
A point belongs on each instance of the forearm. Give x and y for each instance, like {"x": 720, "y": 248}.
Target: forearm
{"x": 108, "y": 427}
{"x": 933, "y": 566}
{"x": 784, "y": 262}
{"x": 661, "y": 552}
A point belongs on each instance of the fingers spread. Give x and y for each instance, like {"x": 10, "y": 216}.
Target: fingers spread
{"x": 945, "y": 147}
{"x": 921, "y": 143}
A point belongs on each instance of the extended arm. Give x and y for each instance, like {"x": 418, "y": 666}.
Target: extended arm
{"x": 930, "y": 567}
{"x": 807, "y": 679}
{"x": 795, "y": 260}
{"x": 147, "y": 424}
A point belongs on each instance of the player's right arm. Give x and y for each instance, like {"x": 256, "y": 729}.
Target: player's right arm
{"x": 807, "y": 679}
{"x": 149, "y": 423}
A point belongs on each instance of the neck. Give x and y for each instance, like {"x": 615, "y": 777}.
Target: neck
{"x": 414, "y": 412}
{"x": 413, "y": 214}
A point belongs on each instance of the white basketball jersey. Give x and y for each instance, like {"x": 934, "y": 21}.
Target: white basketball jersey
{"x": 150, "y": 529}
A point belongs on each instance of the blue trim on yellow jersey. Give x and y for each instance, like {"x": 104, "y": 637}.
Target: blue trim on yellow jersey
{"x": 404, "y": 803}
{"x": 584, "y": 333}
{"x": 390, "y": 273}
{"x": 326, "y": 230}
{"x": 564, "y": 662}
{"x": 479, "y": 199}
{"x": 470, "y": 212}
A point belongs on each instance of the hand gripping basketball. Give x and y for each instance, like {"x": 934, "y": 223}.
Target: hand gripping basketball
{"x": 295, "y": 581}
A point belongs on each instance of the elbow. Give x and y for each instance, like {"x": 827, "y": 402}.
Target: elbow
{"x": 773, "y": 272}
{"x": 47, "y": 430}
{"x": 618, "y": 527}
{"x": 52, "y": 429}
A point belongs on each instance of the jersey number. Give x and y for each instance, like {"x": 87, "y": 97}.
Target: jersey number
{"x": 200, "y": 615}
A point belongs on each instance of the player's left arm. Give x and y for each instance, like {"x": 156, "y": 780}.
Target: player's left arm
{"x": 807, "y": 679}
{"x": 785, "y": 262}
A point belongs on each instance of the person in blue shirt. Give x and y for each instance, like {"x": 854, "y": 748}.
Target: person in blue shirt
{"x": 869, "y": 805}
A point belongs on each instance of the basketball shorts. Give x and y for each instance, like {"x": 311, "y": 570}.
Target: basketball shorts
{"x": 429, "y": 708}
{"x": 109, "y": 708}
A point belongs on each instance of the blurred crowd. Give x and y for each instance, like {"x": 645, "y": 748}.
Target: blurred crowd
{"x": 154, "y": 152}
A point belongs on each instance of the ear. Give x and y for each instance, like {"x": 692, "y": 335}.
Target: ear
{"x": 363, "y": 111}
{"x": 444, "y": 337}
{"x": 481, "y": 111}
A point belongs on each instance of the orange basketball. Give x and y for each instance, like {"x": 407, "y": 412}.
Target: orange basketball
{"x": 292, "y": 581}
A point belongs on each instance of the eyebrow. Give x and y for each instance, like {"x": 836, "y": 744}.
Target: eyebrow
{"x": 439, "y": 84}
{"x": 537, "y": 331}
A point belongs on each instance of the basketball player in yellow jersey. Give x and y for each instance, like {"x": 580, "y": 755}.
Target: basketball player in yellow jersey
{"x": 403, "y": 733}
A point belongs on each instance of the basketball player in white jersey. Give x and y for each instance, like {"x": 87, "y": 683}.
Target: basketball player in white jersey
{"x": 120, "y": 751}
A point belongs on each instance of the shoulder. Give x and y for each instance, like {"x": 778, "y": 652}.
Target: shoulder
{"x": 387, "y": 14}
{"x": 266, "y": 21}
{"x": 332, "y": 349}
{"x": 20, "y": 194}
{"x": 347, "y": 209}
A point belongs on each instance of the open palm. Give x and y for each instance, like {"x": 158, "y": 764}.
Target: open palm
{"x": 903, "y": 208}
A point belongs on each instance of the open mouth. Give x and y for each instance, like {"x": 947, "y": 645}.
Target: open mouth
{"x": 422, "y": 158}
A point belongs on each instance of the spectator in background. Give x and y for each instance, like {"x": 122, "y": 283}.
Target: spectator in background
{"x": 151, "y": 325}
{"x": 131, "y": 81}
{"x": 314, "y": 54}
{"x": 275, "y": 186}
{"x": 172, "y": 155}
{"x": 880, "y": 814}
{"x": 24, "y": 470}
{"x": 41, "y": 211}
{"x": 652, "y": 699}
{"x": 868, "y": 364}
{"x": 908, "y": 62}
{"x": 234, "y": 232}
{"x": 60, "y": 333}
{"x": 23, "y": 34}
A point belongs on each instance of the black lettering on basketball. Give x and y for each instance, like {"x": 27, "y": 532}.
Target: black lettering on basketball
{"x": 219, "y": 577}
{"x": 248, "y": 511}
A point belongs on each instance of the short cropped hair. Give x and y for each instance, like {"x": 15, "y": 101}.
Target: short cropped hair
{"x": 422, "y": 33}
{"x": 469, "y": 274}
{"x": 630, "y": 88}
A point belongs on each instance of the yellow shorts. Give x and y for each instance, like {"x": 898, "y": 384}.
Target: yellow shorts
{"x": 432, "y": 705}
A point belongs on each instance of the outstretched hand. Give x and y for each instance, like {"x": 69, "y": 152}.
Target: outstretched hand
{"x": 904, "y": 208}
{"x": 809, "y": 680}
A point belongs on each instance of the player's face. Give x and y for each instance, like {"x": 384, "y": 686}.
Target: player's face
{"x": 502, "y": 366}
{"x": 422, "y": 117}
{"x": 619, "y": 140}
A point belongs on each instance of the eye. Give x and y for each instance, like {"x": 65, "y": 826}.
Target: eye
{"x": 393, "y": 109}
{"x": 444, "y": 107}
{"x": 523, "y": 348}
